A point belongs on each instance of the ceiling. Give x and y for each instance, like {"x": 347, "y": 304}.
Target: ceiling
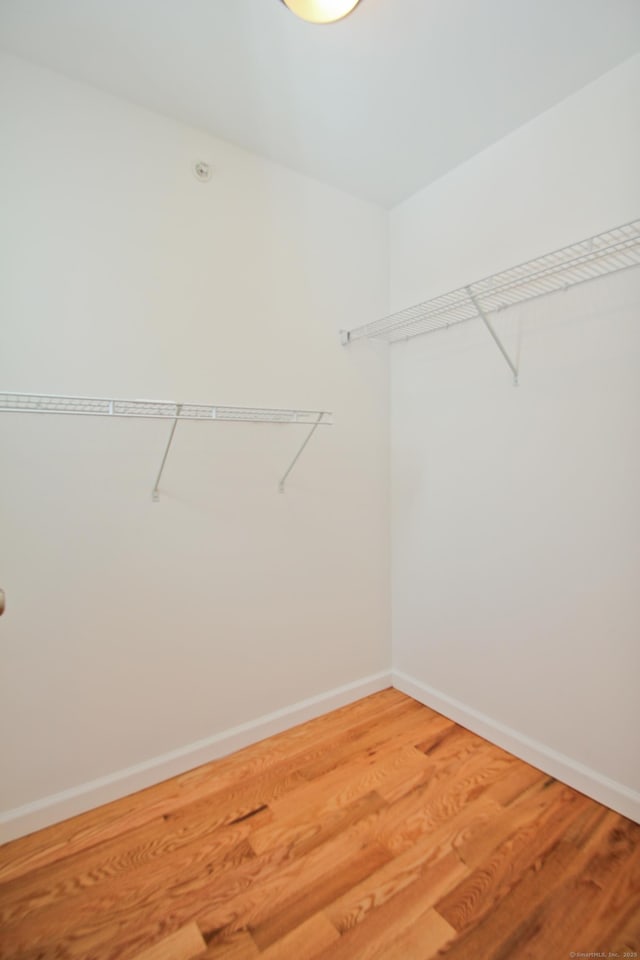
{"x": 379, "y": 104}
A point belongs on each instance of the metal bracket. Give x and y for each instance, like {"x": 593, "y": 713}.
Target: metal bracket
{"x": 155, "y": 496}
{"x": 299, "y": 453}
{"x": 497, "y": 340}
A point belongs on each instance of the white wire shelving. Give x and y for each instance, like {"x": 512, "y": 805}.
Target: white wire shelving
{"x": 165, "y": 410}
{"x": 609, "y": 252}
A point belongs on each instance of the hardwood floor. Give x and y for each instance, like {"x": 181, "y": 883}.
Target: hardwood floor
{"x": 381, "y": 831}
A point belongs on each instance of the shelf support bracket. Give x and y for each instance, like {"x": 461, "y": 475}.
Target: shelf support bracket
{"x": 495, "y": 336}
{"x": 299, "y": 453}
{"x": 155, "y": 496}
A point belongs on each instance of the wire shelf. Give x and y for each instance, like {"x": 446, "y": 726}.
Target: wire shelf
{"x": 154, "y": 409}
{"x": 605, "y": 253}
{"x": 166, "y": 410}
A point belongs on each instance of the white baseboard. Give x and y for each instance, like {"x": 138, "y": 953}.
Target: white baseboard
{"x": 595, "y": 785}
{"x": 56, "y": 807}
{"x": 52, "y": 809}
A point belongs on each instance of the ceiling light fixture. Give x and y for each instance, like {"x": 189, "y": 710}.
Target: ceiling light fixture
{"x": 321, "y": 11}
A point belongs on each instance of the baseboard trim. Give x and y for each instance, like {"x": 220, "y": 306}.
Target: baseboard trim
{"x": 60, "y": 806}
{"x": 616, "y": 795}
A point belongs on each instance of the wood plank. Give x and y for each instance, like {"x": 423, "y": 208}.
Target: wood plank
{"x": 563, "y": 904}
{"x": 587, "y": 827}
{"x": 403, "y": 870}
{"x": 429, "y": 879}
{"x": 621, "y": 930}
{"x": 238, "y": 802}
{"x": 185, "y": 944}
{"x": 453, "y": 744}
{"x": 439, "y": 799}
{"x": 385, "y": 925}
{"x": 135, "y": 890}
{"x": 413, "y": 772}
{"x": 304, "y": 903}
{"x": 516, "y": 781}
{"x": 379, "y": 772}
{"x": 623, "y": 933}
{"x": 574, "y": 919}
{"x": 441, "y": 734}
{"x": 314, "y": 825}
{"x": 433, "y": 878}
{"x": 428, "y": 934}
{"x": 309, "y": 881}
{"x": 505, "y": 929}
{"x": 388, "y": 733}
{"x": 518, "y": 819}
{"x": 304, "y": 942}
{"x": 141, "y": 849}
{"x": 503, "y": 868}
{"x": 241, "y": 946}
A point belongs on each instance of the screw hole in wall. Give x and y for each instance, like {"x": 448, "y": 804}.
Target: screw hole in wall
{"x": 202, "y": 170}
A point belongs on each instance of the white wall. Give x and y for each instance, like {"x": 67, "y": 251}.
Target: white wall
{"x": 135, "y": 629}
{"x": 141, "y": 638}
{"x": 516, "y": 516}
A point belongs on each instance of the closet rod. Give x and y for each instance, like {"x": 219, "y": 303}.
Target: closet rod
{"x": 616, "y": 249}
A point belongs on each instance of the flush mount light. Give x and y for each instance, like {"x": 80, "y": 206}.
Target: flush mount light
{"x": 321, "y": 11}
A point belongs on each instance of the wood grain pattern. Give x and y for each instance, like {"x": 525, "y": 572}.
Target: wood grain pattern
{"x": 241, "y": 946}
{"x": 381, "y": 831}
{"x": 303, "y": 942}
{"x": 420, "y": 939}
{"x": 185, "y": 944}
{"x": 504, "y": 866}
{"x": 433, "y": 858}
{"x": 382, "y": 927}
{"x": 116, "y": 818}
